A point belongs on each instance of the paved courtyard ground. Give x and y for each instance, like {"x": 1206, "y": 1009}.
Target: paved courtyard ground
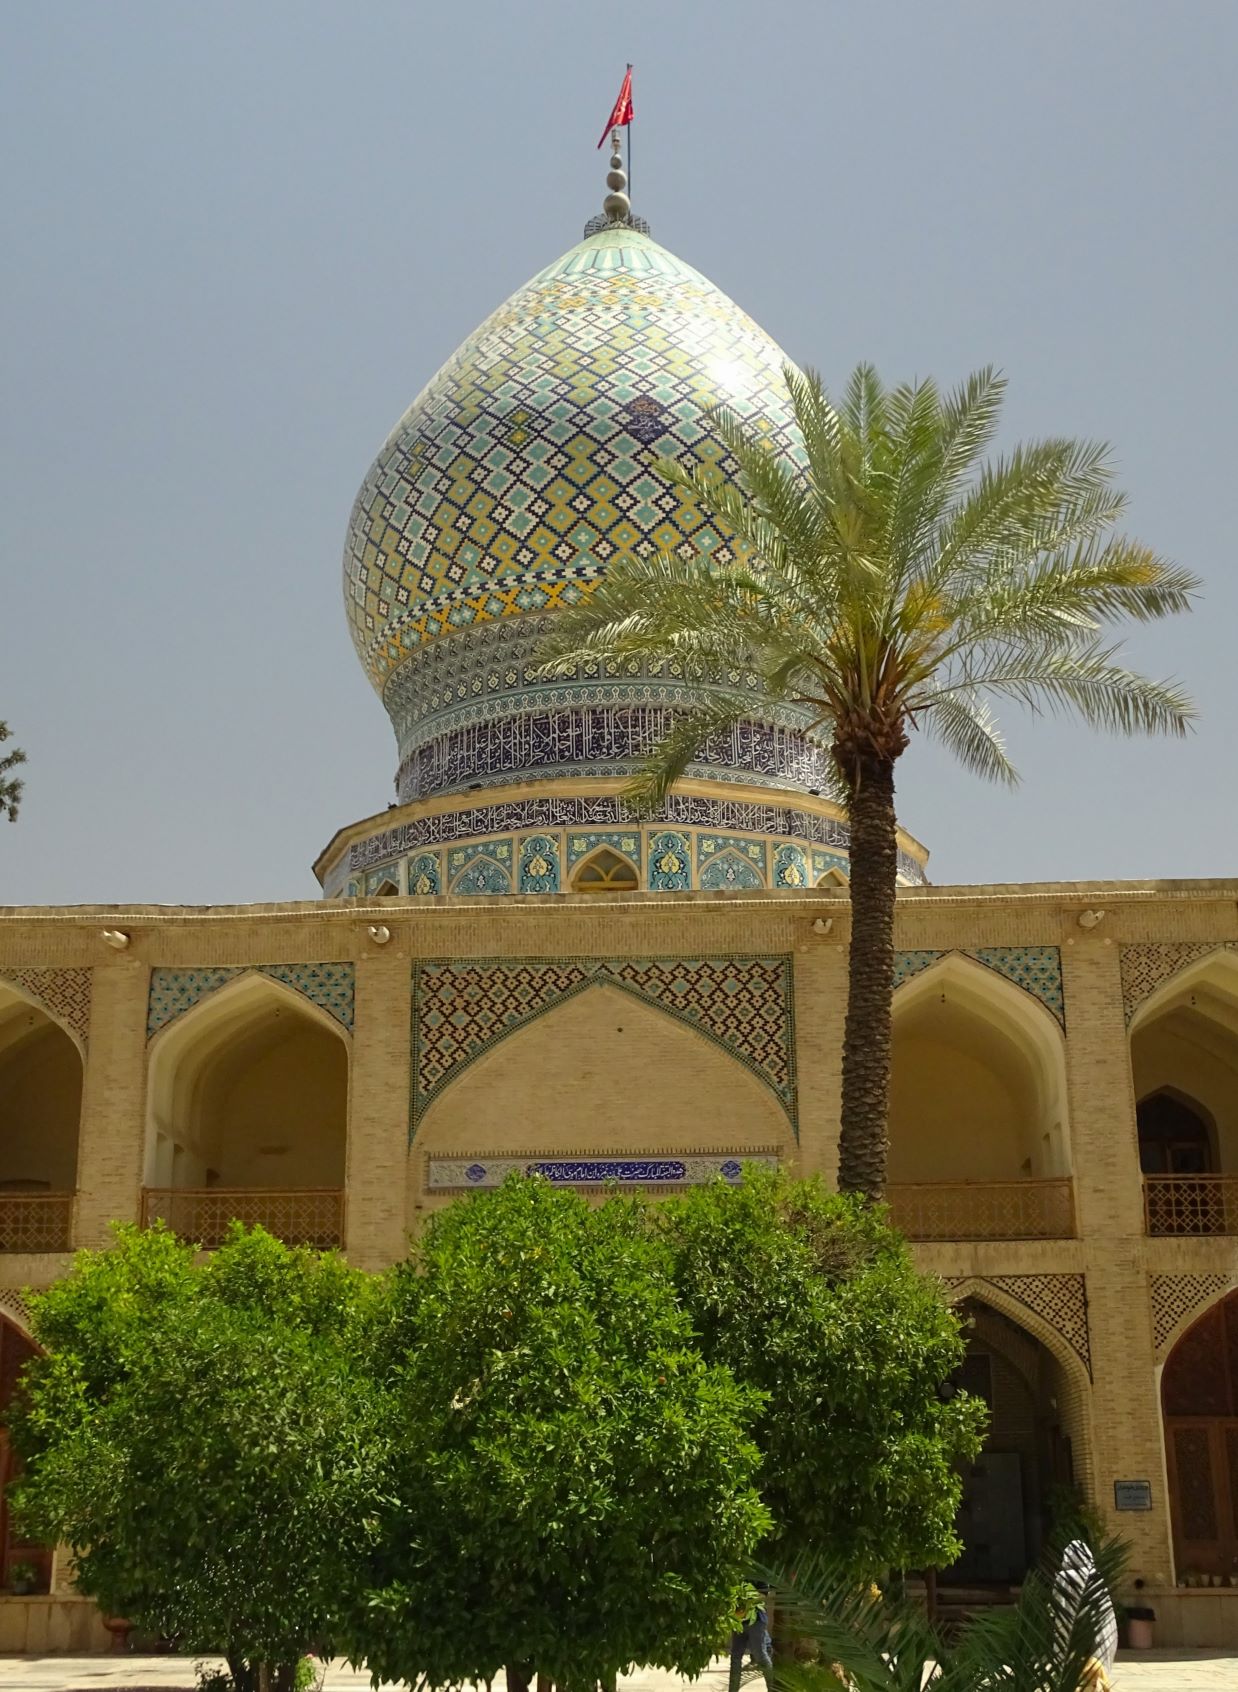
{"x": 1145, "y": 1671}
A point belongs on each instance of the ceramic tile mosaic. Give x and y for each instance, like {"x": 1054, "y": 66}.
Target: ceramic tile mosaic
{"x": 463, "y": 1008}
{"x": 175, "y": 991}
{"x": 518, "y": 474}
{"x": 476, "y": 1174}
{"x": 539, "y": 864}
{"x": 601, "y": 740}
{"x": 425, "y": 874}
{"x": 670, "y": 862}
{"x": 790, "y": 867}
{"x": 627, "y": 842}
{"x": 63, "y": 992}
{"x": 1037, "y": 969}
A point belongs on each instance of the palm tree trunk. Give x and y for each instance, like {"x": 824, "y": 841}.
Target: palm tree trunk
{"x": 866, "y": 1041}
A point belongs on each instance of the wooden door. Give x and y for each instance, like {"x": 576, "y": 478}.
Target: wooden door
{"x": 1202, "y": 1453}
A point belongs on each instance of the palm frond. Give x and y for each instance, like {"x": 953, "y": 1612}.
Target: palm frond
{"x": 1086, "y": 681}
{"x": 965, "y": 726}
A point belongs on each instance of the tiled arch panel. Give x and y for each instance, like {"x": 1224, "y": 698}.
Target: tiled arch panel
{"x": 1037, "y": 969}
{"x": 1177, "y": 1299}
{"x": 463, "y": 1008}
{"x": 1145, "y": 968}
{"x": 65, "y": 993}
{"x": 1059, "y": 1300}
{"x": 330, "y": 986}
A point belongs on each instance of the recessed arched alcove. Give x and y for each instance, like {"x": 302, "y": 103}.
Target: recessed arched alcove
{"x": 979, "y": 1140}
{"x": 40, "y": 1111}
{"x": 605, "y": 871}
{"x": 1199, "y": 1399}
{"x": 248, "y": 1096}
{"x": 601, "y": 1074}
{"x": 1037, "y": 1397}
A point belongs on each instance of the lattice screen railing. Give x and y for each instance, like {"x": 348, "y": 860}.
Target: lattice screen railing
{"x": 984, "y": 1210}
{"x": 1191, "y": 1204}
{"x": 35, "y": 1221}
{"x": 311, "y": 1216}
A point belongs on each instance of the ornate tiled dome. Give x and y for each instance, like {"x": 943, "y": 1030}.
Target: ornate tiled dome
{"x": 521, "y": 472}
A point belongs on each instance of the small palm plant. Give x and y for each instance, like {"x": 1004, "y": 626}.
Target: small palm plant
{"x": 1049, "y": 1640}
{"x": 894, "y": 581}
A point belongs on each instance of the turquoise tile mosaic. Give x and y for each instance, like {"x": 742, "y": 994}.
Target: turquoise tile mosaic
{"x": 1037, "y": 969}
{"x": 175, "y": 991}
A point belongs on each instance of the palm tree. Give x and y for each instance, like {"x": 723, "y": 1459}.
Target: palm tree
{"x": 10, "y": 786}
{"x": 892, "y": 581}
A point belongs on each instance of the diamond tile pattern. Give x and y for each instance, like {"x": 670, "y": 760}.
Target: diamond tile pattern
{"x": 463, "y": 1008}
{"x": 1037, "y": 969}
{"x": 524, "y": 467}
{"x": 174, "y": 991}
{"x": 1145, "y": 968}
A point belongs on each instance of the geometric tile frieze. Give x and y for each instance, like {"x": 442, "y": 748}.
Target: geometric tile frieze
{"x": 463, "y": 1008}
{"x": 1145, "y": 968}
{"x": 1059, "y": 1300}
{"x": 1037, "y": 969}
{"x": 1175, "y": 1298}
{"x": 174, "y": 991}
{"x": 63, "y": 992}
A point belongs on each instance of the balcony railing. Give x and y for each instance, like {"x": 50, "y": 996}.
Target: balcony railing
{"x": 1191, "y": 1204}
{"x": 984, "y": 1210}
{"x": 312, "y": 1216}
{"x": 36, "y": 1221}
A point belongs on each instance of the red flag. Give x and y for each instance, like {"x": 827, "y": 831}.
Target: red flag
{"x": 623, "y": 107}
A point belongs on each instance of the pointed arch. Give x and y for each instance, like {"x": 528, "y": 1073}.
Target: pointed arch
{"x": 41, "y": 1081}
{"x": 730, "y": 869}
{"x": 834, "y": 878}
{"x": 695, "y": 1096}
{"x": 1074, "y": 1383}
{"x": 248, "y": 1088}
{"x": 1199, "y": 1407}
{"x": 606, "y": 870}
{"x": 64, "y": 1008}
{"x": 1184, "y": 1048}
{"x": 978, "y": 1079}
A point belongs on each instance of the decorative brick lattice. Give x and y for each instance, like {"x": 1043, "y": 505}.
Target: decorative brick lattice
{"x": 464, "y": 1008}
{"x": 1060, "y": 1300}
{"x": 1037, "y": 969}
{"x": 1145, "y": 968}
{"x": 174, "y": 991}
{"x": 63, "y": 992}
{"x": 1175, "y": 1297}
{"x": 14, "y": 1306}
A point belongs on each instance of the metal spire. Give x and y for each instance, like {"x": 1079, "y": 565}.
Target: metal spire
{"x": 616, "y": 207}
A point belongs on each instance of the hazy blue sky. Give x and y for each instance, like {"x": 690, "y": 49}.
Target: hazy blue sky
{"x": 240, "y": 237}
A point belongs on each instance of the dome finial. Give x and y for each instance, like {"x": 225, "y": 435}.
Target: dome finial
{"x": 616, "y": 205}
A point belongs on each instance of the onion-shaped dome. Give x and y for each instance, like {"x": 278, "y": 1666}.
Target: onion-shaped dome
{"x": 518, "y": 476}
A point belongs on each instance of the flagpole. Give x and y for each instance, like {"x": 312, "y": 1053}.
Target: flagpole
{"x": 628, "y": 127}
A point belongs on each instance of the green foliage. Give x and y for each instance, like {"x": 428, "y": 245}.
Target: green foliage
{"x": 895, "y": 581}
{"x": 812, "y": 1299}
{"x": 202, "y": 1436}
{"x": 1042, "y": 1643}
{"x": 10, "y": 786}
{"x": 571, "y": 1485}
